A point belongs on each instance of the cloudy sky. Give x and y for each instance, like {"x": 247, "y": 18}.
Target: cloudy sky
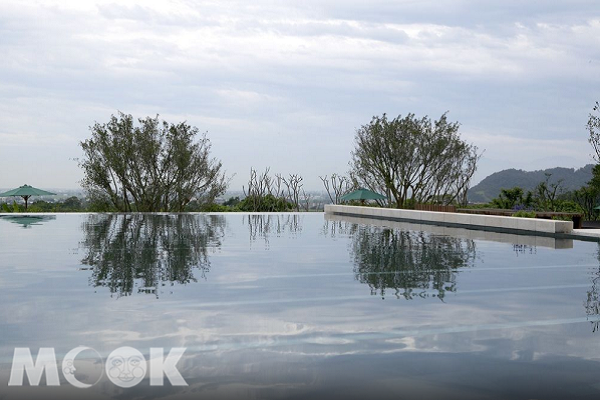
{"x": 285, "y": 84}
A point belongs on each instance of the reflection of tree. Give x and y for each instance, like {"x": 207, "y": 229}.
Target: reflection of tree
{"x": 335, "y": 229}
{"x": 410, "y": 262}
{"x": 524, "y": 249}
{"x": 262, "y": 226}
{"x": 152, "y": 249}
{"x": 592, "y": 304}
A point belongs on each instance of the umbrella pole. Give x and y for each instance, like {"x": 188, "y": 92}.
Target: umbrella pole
{"x": 25, "y": 198}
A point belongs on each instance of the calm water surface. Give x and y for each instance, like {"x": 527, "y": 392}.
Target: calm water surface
{"x": 303, "y": 306}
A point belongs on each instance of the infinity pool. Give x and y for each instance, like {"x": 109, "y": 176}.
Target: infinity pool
{"x": 278, "y": 306}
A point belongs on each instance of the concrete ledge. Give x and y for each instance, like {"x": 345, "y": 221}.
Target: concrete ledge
{"x": 543, "y": 227}
{"x": 465, "y": 233}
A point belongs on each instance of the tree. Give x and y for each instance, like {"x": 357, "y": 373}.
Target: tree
{"x": 73, "y": 203}
{"x": 587, "y": 198}
{"x": 593, "y": 127}
{"x": 270, "y": 194}
{"x": 293, "y": 185}
{"x": 510, "y": 198}
{"x": 414, "y": 160}
{"x": 547, "y": 194}
{"x": 337, "y": 186}
{"x": 156, "y": 166}
{"x": 595, "y": 181}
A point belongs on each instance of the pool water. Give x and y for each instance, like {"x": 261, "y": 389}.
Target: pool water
{"x": 273, "y": 306}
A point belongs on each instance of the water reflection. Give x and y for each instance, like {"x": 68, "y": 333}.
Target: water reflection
{"x": 27, "y": 221}
{"x": 143, "y": 252}
{"x": 520, "y": 249}
{"x": 292, "y": 322}
{"x": 334, "y": 228}
{"x": 592, "y": 303}
{"x": 262, "y": 226}
{"x": 412, "y": 263}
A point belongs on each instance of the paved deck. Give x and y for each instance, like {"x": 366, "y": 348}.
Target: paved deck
{"x": 590, "y": 233}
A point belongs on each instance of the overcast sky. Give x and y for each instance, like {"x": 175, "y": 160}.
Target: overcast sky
{"x": 285, "y": 84}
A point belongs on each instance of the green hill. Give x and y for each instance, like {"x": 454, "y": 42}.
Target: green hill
{"x": 489, "y": 188}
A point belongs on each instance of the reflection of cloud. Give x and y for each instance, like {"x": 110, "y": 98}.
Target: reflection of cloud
{"x": 315, "y": 324}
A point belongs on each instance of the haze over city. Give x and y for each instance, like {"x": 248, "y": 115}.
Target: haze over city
{"x": 285, "y": 85}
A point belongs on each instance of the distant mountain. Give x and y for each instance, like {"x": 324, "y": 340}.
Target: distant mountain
{"x": 489, "y": 188}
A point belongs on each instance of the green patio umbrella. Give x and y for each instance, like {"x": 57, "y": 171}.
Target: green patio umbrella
{"x": 26, "y": 192}
{"x": 362, "y": 195}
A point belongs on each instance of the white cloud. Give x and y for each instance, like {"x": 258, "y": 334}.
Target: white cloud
{"x": 306, "y": 74}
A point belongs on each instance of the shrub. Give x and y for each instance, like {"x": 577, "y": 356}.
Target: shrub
{"x": 568, "y": 206}
{"x": 562, "y": 218}
{"x": 524, "y": 214}
{"x": 267, "y": 203}
{"x": 522, "y": 207}
{"x": 232, "y": 202}
{"x": 213, "y": 207}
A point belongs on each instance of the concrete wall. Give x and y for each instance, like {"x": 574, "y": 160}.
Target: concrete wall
{"x": 473, "y": 221}
{"x": 465, "y": 233}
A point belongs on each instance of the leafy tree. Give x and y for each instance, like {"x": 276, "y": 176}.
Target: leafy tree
{"x": 593, "y": 127}
{"x": 595, "y": 181}
{"x": 98, "y": 203}
{"x": 414, "y": 160}
{"x": 232, "y": 202}
{"x": 510, "y": 198}
{"x": 588, "y": 197}
{"x": 72, "y": 203}
{"x": 156, "y": 166}
{"x": 547, "y": 193}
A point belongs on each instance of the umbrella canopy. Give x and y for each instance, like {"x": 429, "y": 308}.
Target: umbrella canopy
{"x": 26, "y": 192}
{"x": 362, "y": 194}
